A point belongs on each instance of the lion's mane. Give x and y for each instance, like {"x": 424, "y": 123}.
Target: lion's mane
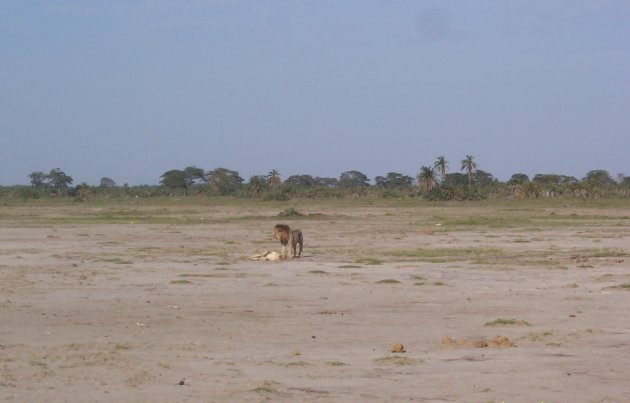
{"x": 282, "y": 233}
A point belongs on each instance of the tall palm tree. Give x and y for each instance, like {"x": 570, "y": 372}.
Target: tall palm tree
{"x": 426, "y": 179}
{"x": 273, "y": 178}
{"x": 441, "y": 164}
{"x": 469, "y": 165}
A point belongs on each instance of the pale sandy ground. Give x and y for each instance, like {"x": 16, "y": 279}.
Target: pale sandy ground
{"x": 177, "y": 313}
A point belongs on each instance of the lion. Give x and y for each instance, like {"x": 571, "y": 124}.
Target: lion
{"x": 288, "y": 238}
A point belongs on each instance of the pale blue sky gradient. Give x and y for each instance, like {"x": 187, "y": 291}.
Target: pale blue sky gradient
{"x": 130, "y": 89}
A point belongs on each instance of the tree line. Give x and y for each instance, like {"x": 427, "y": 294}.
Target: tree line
{"x": 433, "y": 182}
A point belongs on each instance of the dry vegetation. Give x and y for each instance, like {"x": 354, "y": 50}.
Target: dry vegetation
{"x": 157, "y": 300}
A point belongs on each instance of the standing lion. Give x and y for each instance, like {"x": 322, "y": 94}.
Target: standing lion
{"x": 288, "y": 237}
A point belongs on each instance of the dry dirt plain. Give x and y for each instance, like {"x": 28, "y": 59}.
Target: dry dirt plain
{"x": 160, "y": 303}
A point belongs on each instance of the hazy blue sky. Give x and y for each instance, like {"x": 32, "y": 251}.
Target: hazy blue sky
{"x": 130, "y": 89}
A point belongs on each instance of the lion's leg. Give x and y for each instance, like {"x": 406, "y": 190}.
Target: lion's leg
{"x": 301, "y": 245}
{"x": 292, "y": 243}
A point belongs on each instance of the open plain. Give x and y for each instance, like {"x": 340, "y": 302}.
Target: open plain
{"x": 160, "y": 302}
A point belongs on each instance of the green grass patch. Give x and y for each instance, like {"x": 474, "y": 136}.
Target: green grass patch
{"x": 318, "y": 272}
{"x": 349, "y": 266}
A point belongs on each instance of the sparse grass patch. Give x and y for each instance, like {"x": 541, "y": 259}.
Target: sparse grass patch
{"x": 349, "y": 266}
{"x": 267, "y": 387}
{"x": 439, "y": 283}
{"x": 388, "y": 281}
{"x": 419, "y": 283}
{"x": 116, "y": 260}
{"x": 199, "y": 252}
{"x": 539, "y": 336}
{"x": 122, "y": 346}
{"x": 297, "y": 364}
{"x": 196, "y": 275}
{"x": 146, "y": 249}
{"x": 181, "y": 282}
{"x": 290, "y": 212}
{"x": 531, "y": 258}
{"x": 572, "y": 285}
{"x": 138, "y": 378}
{"x": 491, "y": 222}
{"x": 38, "y": 364}
{"x": 604, "y": 252}
{"x": 588, "y": 331}
{"x": 110, "y": 243}
{"x": 395, "y": 360}
{"x": 318, "y": 272}
{"x": 501, "y": 322}
{"x": 336, "y": 363}
{"x": 370, "y": 261}
{"x": 625, "y": 286}
{"x": 443, "y": 255}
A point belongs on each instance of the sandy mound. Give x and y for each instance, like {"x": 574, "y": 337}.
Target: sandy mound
{"x": 397, "y": 348}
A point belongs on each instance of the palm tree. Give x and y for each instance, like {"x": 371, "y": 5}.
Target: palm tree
{"x": 469, "y": 165}
{"x": 426, "y": 179}
{"x": 273, "y": 178}
{"x": 441, "y": 164}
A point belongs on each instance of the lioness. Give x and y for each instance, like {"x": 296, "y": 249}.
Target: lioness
{"x": 286, "y": 236}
